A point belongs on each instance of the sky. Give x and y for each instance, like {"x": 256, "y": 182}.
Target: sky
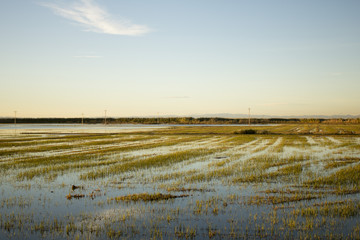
{"x": 65, "y": 58}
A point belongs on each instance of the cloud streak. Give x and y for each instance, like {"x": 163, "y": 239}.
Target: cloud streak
{"x": 275, "y": 104}
{"x": 87, "y": 56}
{"x": 93, "y": 18}
{"x": 177, "y": 97}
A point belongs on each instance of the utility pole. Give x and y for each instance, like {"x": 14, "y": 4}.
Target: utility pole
{"x": 15, "y": 123}
{"x": 158, "y": 118}
{"x": 105, "y": 117}
{"x": 249, "y": 117}
{"x": 82, "y": 119}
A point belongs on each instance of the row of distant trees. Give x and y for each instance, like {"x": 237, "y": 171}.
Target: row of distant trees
{"x": 178, "y": 120}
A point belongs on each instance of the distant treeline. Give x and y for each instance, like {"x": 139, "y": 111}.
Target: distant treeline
{"x": 178, "y": 120}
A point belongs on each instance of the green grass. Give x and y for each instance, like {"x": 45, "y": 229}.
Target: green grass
{"x": 156, "y": 161}
{"x": 146, "y": 197}
{"x": 25, "y": 162}
{"x": 345, "y": 176}
{"x": 345, "y": 208}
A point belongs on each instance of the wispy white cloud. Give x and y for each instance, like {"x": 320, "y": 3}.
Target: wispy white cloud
{"x": 96, "y": 19}
{"x": 177, "y": 97}
{"x": 275, "y": 104}
{"x": 87, "y": 56}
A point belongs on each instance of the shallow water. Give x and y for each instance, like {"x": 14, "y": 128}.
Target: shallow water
{"x": 215, "y": 206}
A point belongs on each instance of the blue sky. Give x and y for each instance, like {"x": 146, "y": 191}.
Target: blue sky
{"x": 62, "y": 58}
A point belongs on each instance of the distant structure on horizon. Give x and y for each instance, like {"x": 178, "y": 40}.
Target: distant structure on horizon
{"x": 105, "y": 117}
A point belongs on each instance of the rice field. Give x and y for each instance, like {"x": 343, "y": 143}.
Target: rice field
{"x": 183, "y": 182}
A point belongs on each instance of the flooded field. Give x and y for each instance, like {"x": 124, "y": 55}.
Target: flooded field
{"x": 181, "y": 182}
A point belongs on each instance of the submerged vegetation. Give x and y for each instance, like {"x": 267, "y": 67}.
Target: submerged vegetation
{"x": 220, "y": 182}
{"x": 147, "y": 197}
